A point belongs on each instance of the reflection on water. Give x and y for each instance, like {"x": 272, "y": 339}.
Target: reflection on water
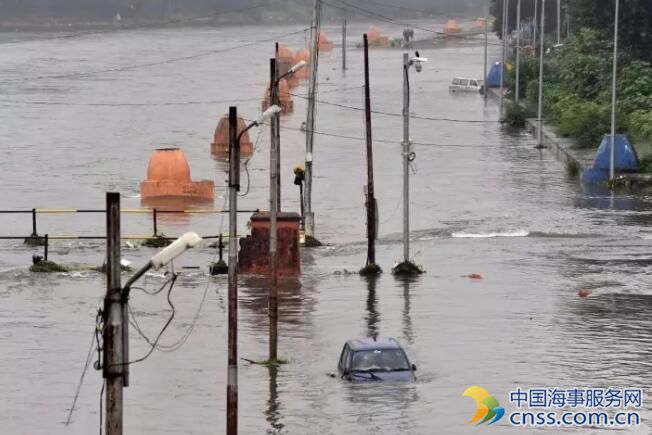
{"x": 372, "y": 316}
{"x": 272, "y": 413}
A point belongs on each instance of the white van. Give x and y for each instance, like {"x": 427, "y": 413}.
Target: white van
{"x": 463, "y": 84}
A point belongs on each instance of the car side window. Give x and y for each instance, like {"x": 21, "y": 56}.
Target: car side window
{"x": 474, "y": 83}
{"x": 457, "y": 81}
{"x": 465, "y": 82}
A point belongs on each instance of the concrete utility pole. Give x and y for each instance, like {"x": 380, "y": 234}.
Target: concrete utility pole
{"x": 115, "y": 352}
{"x": 234, "y": 187}
{"x": 310, "y": 119}
{"x": 535, "y": 25}
{"x": 612, "y": 149}
{"x": 407, "y": 267}
{"x": 502, "y": 70}
{"x": 277, "y": 142}
{"x": 518, "y": 52}
{"x": 486, "y": 50}
{"x": 372, "y": 232}
{"x": 344, "y": 45}
{"x": 558, "y": 21}
{"x": 273, "y": 211}
{"x": 540, "y": 111}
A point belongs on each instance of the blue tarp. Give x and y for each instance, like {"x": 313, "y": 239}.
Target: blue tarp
{"x": 625, "y": 159}
{"x": 493, "y": 77}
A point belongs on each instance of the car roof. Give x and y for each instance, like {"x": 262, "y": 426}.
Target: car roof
{"x": 370, "y": 344}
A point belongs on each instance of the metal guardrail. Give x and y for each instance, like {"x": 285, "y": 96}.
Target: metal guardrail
{"x": 153, "y": 211}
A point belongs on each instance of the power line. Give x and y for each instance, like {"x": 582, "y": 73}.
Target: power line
{"x": 166, "y": 103}
{"x": 426, "y": 118}
{"x": 158, "y": 63}
{"x": 348, "y": 7}
{"x": 136, "y": 27}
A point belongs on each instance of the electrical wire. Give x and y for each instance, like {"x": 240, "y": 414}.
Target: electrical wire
{"x": 87, "y": 364}
{"x": 349, "y": 8}
{"x": 156, "y": 63}
{"x": 154, "y": 343}
{"x": 155, "y": 292}
{"x": 137, "y": 27}
{"x": 102, "y": 405}
{"x": 166, "y": 103}
{"x": 246, "y": 164}
{"x": 426, "y": 118}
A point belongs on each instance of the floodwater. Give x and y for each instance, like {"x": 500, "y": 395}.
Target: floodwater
{"x": 80, "y": 117}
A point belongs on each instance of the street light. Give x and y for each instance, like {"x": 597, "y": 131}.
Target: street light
{"x": 407, "y": 267}
{"x": 234, "y": 187}
{"x": 540, "y": 111}
{"x": 612, "y": 149}
{"x": 275, "y": 201}
{"x": 178, "y": 247}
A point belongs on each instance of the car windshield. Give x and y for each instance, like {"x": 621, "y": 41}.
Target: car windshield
{"x": 379, "y": 360}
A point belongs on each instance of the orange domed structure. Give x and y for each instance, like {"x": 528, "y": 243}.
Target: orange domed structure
{"x": 284, "y": 97}
{"x": 324, "y": 43}
{"x": 302, "y": 55}
{"x": 375, "y": 38}
{"x": 220, "y": 145}
{"x": 452, "y": 27}
{"x": 168, "y": 175}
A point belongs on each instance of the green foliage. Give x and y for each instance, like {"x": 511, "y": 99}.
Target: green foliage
{"x": 635, "y": 20}
{"x": 640, "y": 124}
{"x": 516, "y": 116}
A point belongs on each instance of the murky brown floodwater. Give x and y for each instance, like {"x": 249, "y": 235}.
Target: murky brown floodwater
{"x": 490, "y": 204}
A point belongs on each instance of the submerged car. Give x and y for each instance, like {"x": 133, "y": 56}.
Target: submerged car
{"x": 463, "y": 84}
{"x": 375, "y": 360}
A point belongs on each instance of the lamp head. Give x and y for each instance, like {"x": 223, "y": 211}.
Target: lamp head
{"x": 178, "y": 247}
{"x": 267, "y": 114}
{"x": 298, "y": 66}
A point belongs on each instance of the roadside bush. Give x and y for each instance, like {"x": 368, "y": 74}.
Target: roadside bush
{"x": 640, "y": 124}
{"x": 516, "y": 116}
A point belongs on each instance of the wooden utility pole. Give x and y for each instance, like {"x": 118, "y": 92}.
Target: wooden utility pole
{"x": 234, "y": 187}
{"x": 372, "y": 232}
{"x": 115, "y": 371}
{"x": 277, "y": 120}
{"x": 273, "y": 211}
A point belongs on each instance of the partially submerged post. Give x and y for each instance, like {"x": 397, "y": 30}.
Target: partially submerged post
{"x": 344, "y": 45}
{"x": 407, "y": 267}
{"x": 518, "y": 52}
{"x": 115, "y": 330}
{"x": 311, "y": 241}
{"x": 502, "y": 70}
{"x": 540, "y": 109}
{"x": 234, "y": 187}
{"x": 371, "y": 268}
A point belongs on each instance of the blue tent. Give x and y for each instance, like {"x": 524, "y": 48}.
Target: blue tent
{"x": 493, "y": 77}
{"x": 625, "y": 159}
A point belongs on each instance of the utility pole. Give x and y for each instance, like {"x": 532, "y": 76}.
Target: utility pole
{"x": 558, "y": 21}
{"x": 372, "y": 232}
{"x": 234, "y": 187}
{"x": 540, "y": 111}
{"x": 535, "y": 24}
{"x": 406, "y": 267}
{"x": 115, "y": 372}
{"x": 277, "y": 141}
{"x": 486, "y": 50}
{"x": 344, "y": 45}
{"x": 518, "y": 51}
{"x": 502, "y": 69}
{"x": 612, "y": 149}
{"x": 310, "y": 120}
{"x": 273, "y": 211}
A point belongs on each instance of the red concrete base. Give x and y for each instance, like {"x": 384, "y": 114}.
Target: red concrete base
{"x": 253, "y": 257}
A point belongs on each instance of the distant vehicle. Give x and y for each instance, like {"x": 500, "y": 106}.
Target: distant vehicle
{"x": 462, "y": 84}
{"x": 375, "y": 360}
{"x": 554, "y": 48}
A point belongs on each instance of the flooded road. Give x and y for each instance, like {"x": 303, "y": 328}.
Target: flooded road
{"x": 81, "y": 116}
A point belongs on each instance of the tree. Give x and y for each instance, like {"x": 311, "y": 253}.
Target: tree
{"x": 635, "y": 25}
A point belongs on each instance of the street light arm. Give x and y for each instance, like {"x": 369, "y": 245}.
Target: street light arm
{"x": 249, "y": 127}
